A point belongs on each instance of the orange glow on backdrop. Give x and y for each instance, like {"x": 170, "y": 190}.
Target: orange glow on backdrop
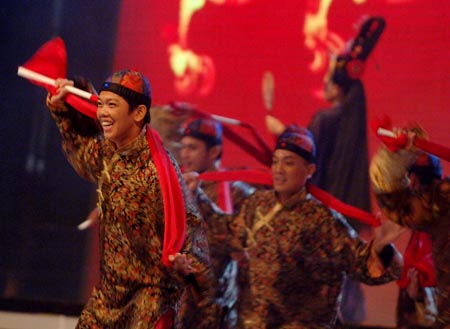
{"x": 217, "y": 53}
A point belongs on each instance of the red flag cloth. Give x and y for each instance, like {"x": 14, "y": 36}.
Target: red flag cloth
{"x": 400, "y": 141}
{"x": 87, "y": 108}
{"x": 440, "y": 151}
{"x": 174, "y": 211}
{"x": 265, "y": 178}
{"x": 49, "y": 60}
{"x": 392, "y": 143}
{"x": 418, "y": 255}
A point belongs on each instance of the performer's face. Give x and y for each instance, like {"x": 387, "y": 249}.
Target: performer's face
{"x": 120, "y": 125}
{"x": 195, "y": 156}
{"x": 290, "y": 173}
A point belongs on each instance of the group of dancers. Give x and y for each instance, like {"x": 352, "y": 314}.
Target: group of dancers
{"x": 177, "y": 251}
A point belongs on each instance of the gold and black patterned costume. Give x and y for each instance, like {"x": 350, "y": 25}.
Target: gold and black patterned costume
{"x": 294, "y": 258}
{"x": 224, "y": 267}
{"x": 135, "y": 288}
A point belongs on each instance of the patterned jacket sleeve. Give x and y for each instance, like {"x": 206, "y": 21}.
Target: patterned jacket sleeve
{"x": 240, "y": 191}
{"x": 224, "y": 231}
{"x": 196, "y": 245}
{"x": 83, "y": 152}
{"x": 350, "y": 249}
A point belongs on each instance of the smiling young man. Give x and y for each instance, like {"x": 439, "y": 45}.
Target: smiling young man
{"x": 202, "y": 149}
{"x": 202, "y": 152}
{"x": 201, "y": 145}
{"x": 294, "y": 251}
{"x": 137, "y": 289}
{"x": 120, "y": 125}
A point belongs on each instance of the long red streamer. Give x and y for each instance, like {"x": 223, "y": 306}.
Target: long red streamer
{"x": 440, "y": 151}
{"x": 345, "y": 209}
{"x": 259, "y": 177}
{"x": 174, "y": 211}
{"x": 265, "y": 178}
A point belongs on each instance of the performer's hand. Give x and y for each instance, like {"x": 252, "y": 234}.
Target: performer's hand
{"x": 182, "y": 264}
{"x": 386, "y": 233}
{"x": 395, "y": 142}
{"x": 57, "y": 99}
{"x": 192, "y": 180}
{"x": 413, "y": 131}
{"x": 413, "y": 287}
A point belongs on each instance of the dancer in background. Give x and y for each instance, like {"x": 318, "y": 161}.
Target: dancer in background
{"x": 202, "y": 152}
{"x": 426, "y": 209}
{"x": 416, "y": 304}
{"x": 138, "y": 287}
{"x": 168, "y": 121}
{"x": 340, "y": 133}
{"x": 294, "y": 251}
{"x": 417, "y": 298}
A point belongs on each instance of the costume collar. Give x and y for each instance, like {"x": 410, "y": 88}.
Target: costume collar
{"x": 139, "y": 143}
{"x": 294, "y": 199}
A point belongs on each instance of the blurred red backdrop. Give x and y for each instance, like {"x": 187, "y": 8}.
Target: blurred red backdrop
{"x": 230, "y": 44}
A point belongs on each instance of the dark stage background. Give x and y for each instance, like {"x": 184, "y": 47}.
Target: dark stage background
{"x": 43, "y": 256}
{"x": 214, "y": 56}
